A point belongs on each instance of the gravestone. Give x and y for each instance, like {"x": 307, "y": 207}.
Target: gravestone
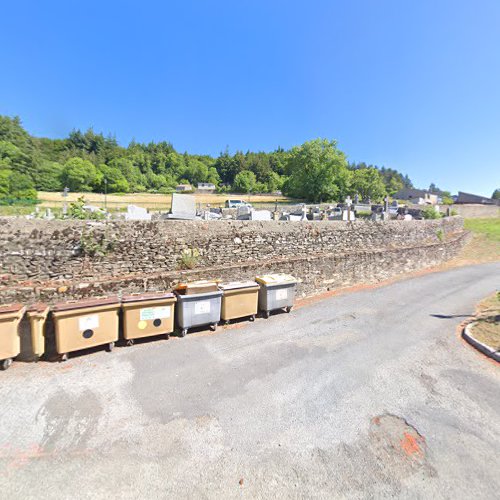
{"x": 183, "y": 207}
{"x": 260, "y": 215}
{"x": 137, "y": 213}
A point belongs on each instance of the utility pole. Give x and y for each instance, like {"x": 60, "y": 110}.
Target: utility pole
{"x": 105, "y": 194}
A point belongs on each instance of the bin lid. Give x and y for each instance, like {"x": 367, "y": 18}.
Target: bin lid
{"x": 82, "y": 304}
{"x": 11, "y": 308}
{"x": 192, "y": 287}
{"x": 232, "y": 285}
{"x": 37, "y": 308}
{"x": 140, "y": 297}
{"x": 275, "y": 279}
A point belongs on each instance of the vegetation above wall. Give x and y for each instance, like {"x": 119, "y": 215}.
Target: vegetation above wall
{"x": 91, "y": 162}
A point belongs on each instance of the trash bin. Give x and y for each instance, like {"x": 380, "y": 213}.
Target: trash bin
{"x": 10, "y": 342}
{"x": 37, "y": 315}
{"x": 277, "y": 291}
{"x": 147, "y": 314}
{"x": 239, "y": 300}
{"x": 87, "y": 323}
{"x": 197, "y": 309}
{"x": 195, "y": 287}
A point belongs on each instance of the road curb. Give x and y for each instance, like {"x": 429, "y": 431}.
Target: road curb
{"x": 485, "y": 349}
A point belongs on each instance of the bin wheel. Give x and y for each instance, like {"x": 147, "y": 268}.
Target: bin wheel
{"x": 109, "y": 347}
{"x": 167, "y": 336}
{"x": 183, "y": 332}
{"x": 64, "y": 357}
{"x": 227, "y": 321}
{"x": 130, "y": 342}
{"x": 288, "y": 309}
{"x": 5, "y": 363}
{"x": 266, "y": 314}
{"x": 252, "y": 317}
{"x": 213, "y": 327}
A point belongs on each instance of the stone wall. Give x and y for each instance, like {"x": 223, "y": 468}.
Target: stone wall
{"x": 59, "y": 260}
{"x": 475, "y": 211}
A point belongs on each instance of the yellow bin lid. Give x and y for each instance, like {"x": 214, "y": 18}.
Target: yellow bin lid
{"x": 233, "y": 285}
{"x": 275, "y": 279}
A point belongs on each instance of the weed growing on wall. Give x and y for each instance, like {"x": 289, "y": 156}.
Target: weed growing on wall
{"x": 188, "y": 258}
{"x": 95, "y": 246}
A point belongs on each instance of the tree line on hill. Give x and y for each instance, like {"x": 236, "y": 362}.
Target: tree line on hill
{"x": 87, "y": 161}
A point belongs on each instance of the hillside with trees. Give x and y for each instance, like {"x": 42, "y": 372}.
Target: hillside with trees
{"x": 85, "y": 161}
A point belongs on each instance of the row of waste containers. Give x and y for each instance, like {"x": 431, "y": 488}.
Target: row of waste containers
{"x": 95, "y": 322}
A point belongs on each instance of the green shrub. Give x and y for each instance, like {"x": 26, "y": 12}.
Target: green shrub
{"x": 76, "y": 211}
{"x": 430, "y": 213}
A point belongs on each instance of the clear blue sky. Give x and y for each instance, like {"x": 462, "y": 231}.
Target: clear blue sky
{"x": 413, "y": 85}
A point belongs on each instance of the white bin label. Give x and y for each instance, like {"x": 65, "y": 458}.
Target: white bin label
{"x": 281, "y": 294}
{"x": 202, "y": 307}
{"x": 149, "y": 313}
{"x": 88, "y": 323}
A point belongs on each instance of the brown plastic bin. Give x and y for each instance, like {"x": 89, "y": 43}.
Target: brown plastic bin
{"x": 87, "y": 323}
{"x": 37, "y": 314}
{"x": 147, "y": 314}
{"x": 240, "y": 300}
{"x": 10, "y": 342}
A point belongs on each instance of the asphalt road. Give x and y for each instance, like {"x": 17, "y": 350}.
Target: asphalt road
{"x": 362, "y": 395}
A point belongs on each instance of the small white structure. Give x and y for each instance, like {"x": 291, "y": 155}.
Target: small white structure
{"x": 205, "y": 187}
{"x": 137, "y": 213}
{"x": 260, "y": 215}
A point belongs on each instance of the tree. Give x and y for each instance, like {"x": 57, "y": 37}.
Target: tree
{"x": 48, "y": 176}
{"x": 317, "y": 172}
{"x": 368, "y": 183}
{"x": 22, "y": 187}
{"x": 245, "y": 182}
{"x": 79, "y": 175}
{"x": 113, "y": 176}
{"x": 496, "y": 194}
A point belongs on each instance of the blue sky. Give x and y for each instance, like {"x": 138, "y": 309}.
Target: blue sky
{"x": 413, "y": 85}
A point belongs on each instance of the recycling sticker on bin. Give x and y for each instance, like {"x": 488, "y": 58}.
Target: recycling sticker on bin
{"x": 152, "y": 313}
{"x": 88, "y": 322}
{"x": 281, "y": 294}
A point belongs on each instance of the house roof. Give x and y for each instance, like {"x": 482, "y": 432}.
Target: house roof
{"x": 474, "y": 198}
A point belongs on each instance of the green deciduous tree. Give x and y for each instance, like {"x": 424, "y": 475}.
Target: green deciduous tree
{"x": 368, "y": 183}
{"x": 80, "y": 175}
{"x": 49, "y": 176}
{"x": 317, "y": 172}
{"x": 113, "y": 178}
{"x": 245, "y": 182}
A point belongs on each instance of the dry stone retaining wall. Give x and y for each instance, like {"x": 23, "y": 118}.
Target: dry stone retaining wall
{"x": 59, "y": 260}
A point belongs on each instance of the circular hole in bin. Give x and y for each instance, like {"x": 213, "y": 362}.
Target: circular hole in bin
{"x": 87, "y": 334}
{"x": 157, "y": 322}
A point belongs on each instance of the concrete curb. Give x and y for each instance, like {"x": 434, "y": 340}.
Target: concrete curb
{"x": 485, "y": 349}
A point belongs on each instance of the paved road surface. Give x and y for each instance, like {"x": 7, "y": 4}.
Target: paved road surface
{"x": 368, "y": 394}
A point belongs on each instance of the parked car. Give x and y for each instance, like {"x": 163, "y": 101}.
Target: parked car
{"x": 237, "y": 203}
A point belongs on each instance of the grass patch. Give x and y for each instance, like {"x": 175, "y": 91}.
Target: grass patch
{"x": 488, "y": 227}
{"x": 487, "y": 327}
{"x": 153, "y": 201}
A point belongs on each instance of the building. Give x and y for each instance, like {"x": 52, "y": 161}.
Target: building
{"x": 184, "y": 187}
{"x": 205, "y": 187}
{"x": 467, "y": 198}
{"x": 417, "y": 196}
